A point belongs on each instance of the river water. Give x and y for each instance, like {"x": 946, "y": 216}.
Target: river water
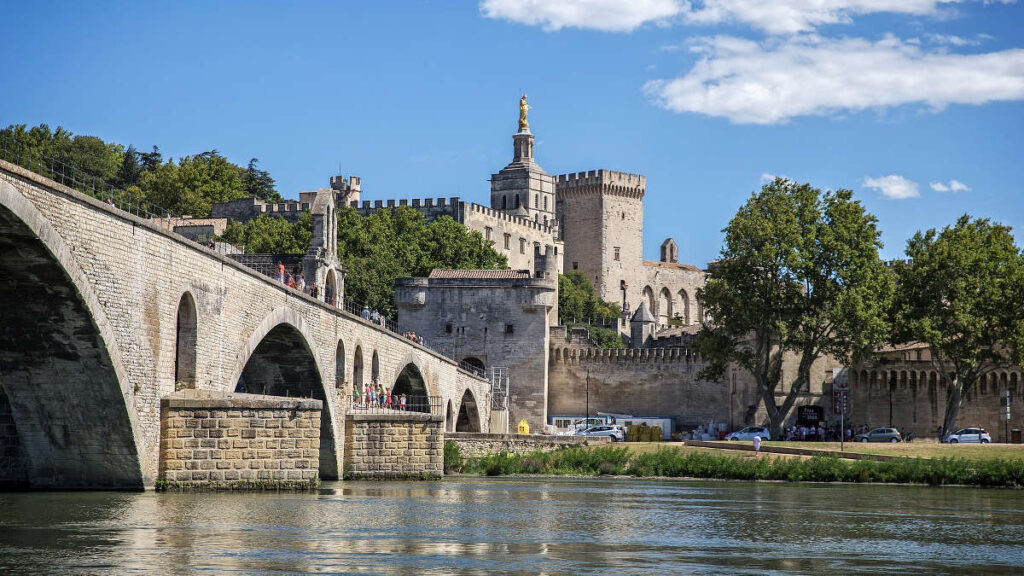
{"x": 516, "y": 526}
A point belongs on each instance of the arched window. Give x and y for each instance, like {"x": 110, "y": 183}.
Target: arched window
{"x": 375, "y": 368}
{"x": 357, "y": 369}
{"x": 684, "y": 307}
{"x": 504, "y": 202}
{"x": 664, "y": 307}
{"x": 517, "y": 201}
{"x": 339, "y": 367}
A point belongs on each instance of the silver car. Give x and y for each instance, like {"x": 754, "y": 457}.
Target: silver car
{"x": 749, "y": 432}
{"x": 969, "y": 436}
{"x": 880, "y": 435}
{"x": 615, "y": 432}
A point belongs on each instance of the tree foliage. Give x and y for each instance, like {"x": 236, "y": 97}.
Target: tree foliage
{"x": 188, "y": 186}
{"x": 799, "y": 274}
{"x": 376, "y": 250}
{"x": 576, "y": 298}
{"x": 961, "y": 293}
{"x": 272, "y": 234}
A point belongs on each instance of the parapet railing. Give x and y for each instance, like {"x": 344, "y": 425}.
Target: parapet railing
{"x": 18, "y": 153}
{"x": 376, "y": 403}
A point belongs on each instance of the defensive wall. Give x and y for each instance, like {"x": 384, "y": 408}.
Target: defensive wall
{"x": 114, "y": 313}
{"x": 246, "y": 209}
{"x": 917, "y": 393}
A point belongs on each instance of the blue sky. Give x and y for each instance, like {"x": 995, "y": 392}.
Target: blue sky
{"x": 886, "y": 97}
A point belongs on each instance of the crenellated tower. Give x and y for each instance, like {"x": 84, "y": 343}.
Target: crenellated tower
{"x": 601, "y": 218}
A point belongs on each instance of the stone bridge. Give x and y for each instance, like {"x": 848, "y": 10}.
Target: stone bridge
{"x": 105, "y": 313}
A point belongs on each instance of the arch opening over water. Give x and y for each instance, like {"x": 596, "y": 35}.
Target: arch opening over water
{"x": 469, "y": 415}
{"x": 282, "y": 364}
{"x": 185, "y": 344}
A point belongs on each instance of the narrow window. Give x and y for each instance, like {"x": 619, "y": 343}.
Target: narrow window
{"x": 508, "y": 238}
{"x": 575, "y": 265}
{"x": 509, "y": 328}
{"x": 487, "y": 233}
{"x": 545, "y": 203}
{"x": 536, "y": 200}
{"x": 448, "y": 328}
{"x": 616, "y": 252}
{"x": 517, "y": 202}
{"x": 522, "y": 245}
{"x": 504, "y": 202}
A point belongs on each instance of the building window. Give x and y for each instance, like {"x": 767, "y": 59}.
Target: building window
{"x": 616, "y": 252}
{"x": 487, "y": 232}
{"x": 448, "y": 328}
{"x": 556, "y": 250}
{"x": 536, "y": 200}
{"x": 508, "y": 239}
{"x": 575, "y": 265}
{"x": 510, "y": 328}
{"x": 545, "y": 203}
{"x": 517, "y": 202}
{"x": 522, "y": 245}
{"x": 623, "y": 215}
{"x": 504, "y": 202}
{"x": 545, "y": 220}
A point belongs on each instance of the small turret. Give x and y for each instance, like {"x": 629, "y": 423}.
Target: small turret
{"x": 641, "y": 327}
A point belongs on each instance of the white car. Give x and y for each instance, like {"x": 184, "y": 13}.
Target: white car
{"x": 615, "y": 432}
{"x": 749, "y": 432}
{"x": 969, "y": 436}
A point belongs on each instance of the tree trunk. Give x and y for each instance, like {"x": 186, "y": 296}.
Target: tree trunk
{"x": 954, "y": 399}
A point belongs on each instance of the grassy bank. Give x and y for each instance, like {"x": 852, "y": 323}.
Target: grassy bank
{"x": 675, "y": 463}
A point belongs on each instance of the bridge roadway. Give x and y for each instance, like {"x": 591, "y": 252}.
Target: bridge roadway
{"x": 103, "y": 313}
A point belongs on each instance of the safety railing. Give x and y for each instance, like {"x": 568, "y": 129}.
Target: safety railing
{"x": 378, "y": 403}
{"x": 18, "y": 153}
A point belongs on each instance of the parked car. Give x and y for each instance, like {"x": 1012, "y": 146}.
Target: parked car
{"x": 748, "y": 433}
{"x": 880, "y": 435}
{"x": 615, "y": 432}
{"x": 969, "y": 436}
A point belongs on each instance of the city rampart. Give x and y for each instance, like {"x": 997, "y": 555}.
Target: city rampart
{"x": 914, "y": 393}
{"x": 116, "y": 313}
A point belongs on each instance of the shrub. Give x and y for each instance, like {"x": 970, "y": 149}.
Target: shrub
{"x": 452, "y": 457}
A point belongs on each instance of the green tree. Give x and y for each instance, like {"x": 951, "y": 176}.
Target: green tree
{"x": 799, "y": 274}
{"x": 961, "y": 293}
{"x": 131, "y": 168}
{"x": 576, "y": 300}
{"x": 193, "y": 184}
{"x": 272, "y": 234}
{"x": 259, "y": 184}
{"x": 151, "y": 160}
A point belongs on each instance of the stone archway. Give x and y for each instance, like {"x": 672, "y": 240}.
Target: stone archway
{"x": 684, "y": 308}
{"x": 357, "y": 369}
{"x": 62, "y": 378}
{"x": 652, "y": 304}
{"x": 469, "y": 415}
{"x": 665, "y": 311}
{"x": 411, "y": 383}
{"x": 185, "y": 344}
{"x": 283, "y": 364}
{"x": 339, "y": 368}
{"x": 331, "y": 288}
{"x": 476, "y": 364}
{"x": 449, "y": 418}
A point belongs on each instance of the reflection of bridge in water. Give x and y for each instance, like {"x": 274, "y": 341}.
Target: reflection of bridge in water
{"x": 106, "y": 312}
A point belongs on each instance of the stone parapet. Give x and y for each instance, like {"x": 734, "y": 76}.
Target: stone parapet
{"x": 223, "y": 441}
{"x": 394, "y": 446}
{"x": 473, "y": 445}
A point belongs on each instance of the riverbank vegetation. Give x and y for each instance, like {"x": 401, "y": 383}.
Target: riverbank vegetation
{"x": 672, "y": 462}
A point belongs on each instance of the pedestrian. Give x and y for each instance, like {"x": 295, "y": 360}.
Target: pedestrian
{"x": 402, "y": 401}
{"x": 421, "y": 340}
{"x": 387, "y": 401}
{"x": 314, "y": 291}
{"x": 375, "y": 316}
{"x": 301, "y": 284}
{"x": 291, "y": 281}
{"x": 280, "y": 271}
{"x": 366, "y": 313}
{"x": 757, "y": 444}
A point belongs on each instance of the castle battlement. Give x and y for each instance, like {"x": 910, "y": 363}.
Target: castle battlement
{"x": 602, "y": 178}
{"x": 411, "y": 202}
{"x": 519, "y": 220}
{"x": 560, "y": 355}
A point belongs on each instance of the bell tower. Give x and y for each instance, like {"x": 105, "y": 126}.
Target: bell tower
{"x": 523, "y": 188}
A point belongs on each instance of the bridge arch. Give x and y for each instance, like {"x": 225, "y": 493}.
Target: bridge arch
{"x": 469, "y": 415}
{"x": 410, "y": 381}
{"x": 280, "y": 361}
{"x": 185, "y": 343}
{"x": 339, "y": 368}
{"x": 449, "y": 417}
{"x": 357, "y": 368}
{"x": 62, "y": 377}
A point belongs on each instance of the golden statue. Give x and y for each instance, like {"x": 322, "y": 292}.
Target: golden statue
{"x": 524, "y": 126}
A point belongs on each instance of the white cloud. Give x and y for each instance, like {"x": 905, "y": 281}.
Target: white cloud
{"x": 771, "y": 82}
{"x": 767, "y": 178}
{"x": 792, "y": 16}
{"x": 771, "y": 16}
{"x": 604, "y": 15}
{"x": 893, "y": 186}
{"x": 951, "y": 186}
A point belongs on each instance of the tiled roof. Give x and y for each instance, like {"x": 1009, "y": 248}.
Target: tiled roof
{"x": 486, "y": 274}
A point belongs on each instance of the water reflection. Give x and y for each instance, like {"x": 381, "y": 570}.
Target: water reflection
{"x": 480, "y": 526}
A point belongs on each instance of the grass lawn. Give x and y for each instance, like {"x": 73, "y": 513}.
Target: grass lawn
{"x": 648, "y": 447}
{"x": 918, "y": 449}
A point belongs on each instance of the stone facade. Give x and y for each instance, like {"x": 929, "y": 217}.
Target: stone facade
{"x": 394, "y": 446}
{"x": 491, "y": 318}
{"x": 472, "y": 445}
{"x": 227, "y": 441}
{"x": 13, "y": 464}
{"x": 905, "y": 379}
{"x": 142, "y": 312}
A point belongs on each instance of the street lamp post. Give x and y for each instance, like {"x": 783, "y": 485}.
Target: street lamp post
{"x": 586, "y": 419}
{"x": 892, "y": 385}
